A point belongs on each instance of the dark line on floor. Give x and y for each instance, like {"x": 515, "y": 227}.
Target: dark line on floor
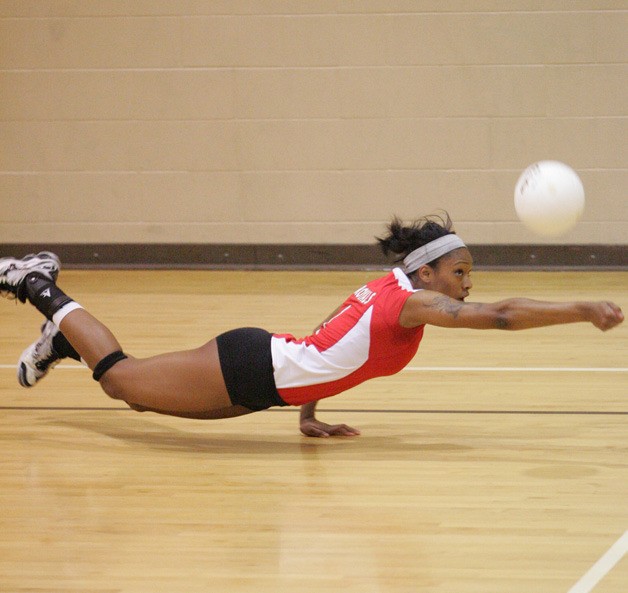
{"x": 349, "y": 411}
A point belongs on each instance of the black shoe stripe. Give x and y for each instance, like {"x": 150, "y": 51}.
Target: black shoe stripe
{"x": 23, "y": 380}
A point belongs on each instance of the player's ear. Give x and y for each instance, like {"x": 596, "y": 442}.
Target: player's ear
{"x": 425, "y": 274}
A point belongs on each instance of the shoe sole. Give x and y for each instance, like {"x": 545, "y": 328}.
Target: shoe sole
{"x": 22, "y": 374}
{"x": 48, "y": 331}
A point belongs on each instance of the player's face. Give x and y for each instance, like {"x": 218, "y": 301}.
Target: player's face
{"x": 452, "y": 276}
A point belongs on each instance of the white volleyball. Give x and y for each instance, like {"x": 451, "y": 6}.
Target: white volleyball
{"x": 549, "y": 198}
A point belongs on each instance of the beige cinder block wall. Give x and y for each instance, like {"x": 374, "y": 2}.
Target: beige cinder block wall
{"x": 268, "y": 121}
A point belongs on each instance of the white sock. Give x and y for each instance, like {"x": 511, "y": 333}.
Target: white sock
{"x": 58, "y": 317}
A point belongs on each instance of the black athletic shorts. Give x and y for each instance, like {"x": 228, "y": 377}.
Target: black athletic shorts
{"x": 247, "y": 367}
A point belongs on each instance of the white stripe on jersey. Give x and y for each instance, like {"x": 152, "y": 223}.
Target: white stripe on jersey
{"x": 403, "y": 281}
{"x": 297, "y": 365}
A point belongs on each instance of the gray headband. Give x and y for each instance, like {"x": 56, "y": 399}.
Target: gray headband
{"x": 430, "y": 251}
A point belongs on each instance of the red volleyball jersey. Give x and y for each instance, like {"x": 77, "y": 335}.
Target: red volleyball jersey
{"x": 364, "y": 340}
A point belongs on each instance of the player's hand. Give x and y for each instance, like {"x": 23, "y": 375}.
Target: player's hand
{"x": 606, "y": 315}
{"x": 311, "y": 427}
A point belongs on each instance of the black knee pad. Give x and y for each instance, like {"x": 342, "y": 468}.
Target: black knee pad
{"x": 106, "y": 363}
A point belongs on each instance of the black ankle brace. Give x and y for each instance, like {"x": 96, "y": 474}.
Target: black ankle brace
{"x": 106, "y": 363}
{"x": 44, "y": 294}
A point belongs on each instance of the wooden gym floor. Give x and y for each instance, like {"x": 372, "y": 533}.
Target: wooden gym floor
{"x": 496, "y": 462}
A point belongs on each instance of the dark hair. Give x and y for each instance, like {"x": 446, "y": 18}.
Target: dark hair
{"x": 403, "y": 239}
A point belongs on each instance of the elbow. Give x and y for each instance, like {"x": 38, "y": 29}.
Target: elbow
{"x": 503, "y": 322}
{"x": 504, "y": 317}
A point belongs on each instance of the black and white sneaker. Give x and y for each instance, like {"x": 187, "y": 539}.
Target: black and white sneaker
{"x": 13, "y": 272}
{"x": 39, "y": 358}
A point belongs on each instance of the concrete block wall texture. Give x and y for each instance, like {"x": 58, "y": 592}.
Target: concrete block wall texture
{"x": 299, "y": 122}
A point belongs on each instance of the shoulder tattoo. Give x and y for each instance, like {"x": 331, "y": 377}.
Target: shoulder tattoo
{"x": 446, "y": 305}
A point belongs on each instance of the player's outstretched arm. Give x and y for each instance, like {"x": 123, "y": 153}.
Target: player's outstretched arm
{"x": 438, "y": 309}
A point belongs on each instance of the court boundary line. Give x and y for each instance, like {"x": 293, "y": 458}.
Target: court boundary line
{"x": 394, "y": 411}
{"x": 602, "y": 567}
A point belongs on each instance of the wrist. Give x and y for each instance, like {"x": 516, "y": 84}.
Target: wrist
{"x": 585, "y": 310}
{"x": 307, "y": 412}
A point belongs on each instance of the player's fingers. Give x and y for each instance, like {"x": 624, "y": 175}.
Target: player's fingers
{"x": 614, "y": 314}
{"x": 619, "y": 314}
{"x": 344, "y": 430}
{"x": 610, "y": 315}
{"x": 311, "y": 431}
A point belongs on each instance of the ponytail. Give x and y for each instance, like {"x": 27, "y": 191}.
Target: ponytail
{"x": 402, "y": 239}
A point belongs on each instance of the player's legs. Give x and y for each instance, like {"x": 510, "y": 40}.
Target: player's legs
{"x": 187, "y": 383}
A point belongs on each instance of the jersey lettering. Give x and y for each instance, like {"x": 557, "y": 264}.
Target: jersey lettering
{"x": 364, "y": 295}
